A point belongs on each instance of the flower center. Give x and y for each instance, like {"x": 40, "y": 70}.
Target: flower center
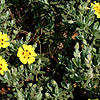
{"x": 97, "y": 9}
{"x": 26, "y": 54}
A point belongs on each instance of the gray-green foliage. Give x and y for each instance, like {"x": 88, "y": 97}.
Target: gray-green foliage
{"x": 57, "y": 72}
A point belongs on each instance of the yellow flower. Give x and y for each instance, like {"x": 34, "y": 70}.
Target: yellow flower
{"x": 26, "y": 54}
{"x": 93, "y": 99}
{"x": 3, "y": 66}
{"x": 4, "y": 40}
{"x": 96, "y": 7}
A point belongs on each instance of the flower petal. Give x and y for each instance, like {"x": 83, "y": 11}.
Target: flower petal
{"x": 5, "y": 37}
{"x": 3, "y": 66}
{"x": 23, "y": 60}
{"x": 98, "y": 15}
{"x": 5, "y": 44}
{"x": 1, "y": 72}
{"x": 27, "y": 47}
{"x": 34, "y": 54}
{"x": 32, "y": 50}
{"x": 31, "y": 60}
{"x": 20, "y": 51}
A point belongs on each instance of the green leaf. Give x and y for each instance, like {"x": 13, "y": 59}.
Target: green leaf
{"x": 39, "y": 96}
{"x": 90, "y": 22}
{"x": 95, "y": 26}
{"x": 77, "y": 46}
{"x": 20, "y": 95}
{"x": 2, "y": 1}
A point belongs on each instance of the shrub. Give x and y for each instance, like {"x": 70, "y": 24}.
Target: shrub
{"x": 51, "y": 49}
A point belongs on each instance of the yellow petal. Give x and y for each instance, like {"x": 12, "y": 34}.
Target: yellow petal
{"x": 98, "y": 16}
{"x": 20, "y": 51}
{"x": 5, "y": 37}
{"x": 34, "y": 54}
{"x": 23, "y": 60}
{"x": 4, "y": 66}
{"x": 32, "y": 51}
{"x": 92, "y": 4}
{"x": 97, "y": 4}
{"x": 24, "y": 46}
{"x": 27, "y": 47}
{"x": 1, "y": 72}
{"x": 31, "y": 60}
{"x": 5, "y": 44}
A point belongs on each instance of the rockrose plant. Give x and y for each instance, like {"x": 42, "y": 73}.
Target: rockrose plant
{"x": 49, "y": 50}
